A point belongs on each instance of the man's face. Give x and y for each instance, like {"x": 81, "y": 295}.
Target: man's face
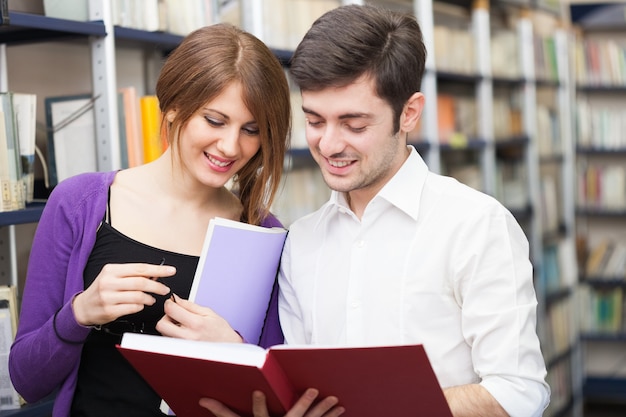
{"x": 349, "y": 131}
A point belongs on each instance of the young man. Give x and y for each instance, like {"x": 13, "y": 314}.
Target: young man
{"x": 399, "y": 254}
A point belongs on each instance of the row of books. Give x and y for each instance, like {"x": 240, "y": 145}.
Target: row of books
{"x": 546, "y": 67}
{"x": 602, "y": 310}
{"x": 455, "y": 51}
{"x": 558, "y": 266}
{"x": 17, "y": 149}
{"x": 599, "y": 61}
{"x": 601, "y": 186}
{"x": 559, "y": 329}
{"x": 284, "y": 21}
{"x": 457, "y": 118}
{"x": 140, "y": 128}
{"x": 505, "y": 54}
{"x": 547, "y": 130}
{"x": 560, "y": 381}
{"x": 600, "y": 126}
{"x": 512, "y": 184}
{"x": 550, "y": 203}
{"x": 606, "y": 261}
{"x": 507, "y": 116}
{"x": 174, "y": 16}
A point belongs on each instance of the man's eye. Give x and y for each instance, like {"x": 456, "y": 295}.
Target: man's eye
{"x": 357, "y": 129}
{"x": 313, "y": 123}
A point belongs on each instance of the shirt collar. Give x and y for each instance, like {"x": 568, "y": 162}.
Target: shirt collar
{"x": 402, "y": 191}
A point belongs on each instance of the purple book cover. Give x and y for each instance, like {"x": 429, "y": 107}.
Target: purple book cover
{"x": 236, "y": 273}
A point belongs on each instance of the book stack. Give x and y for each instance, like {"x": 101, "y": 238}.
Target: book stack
{"x": 17, "y": 149}
{"x": 9, "y": 398}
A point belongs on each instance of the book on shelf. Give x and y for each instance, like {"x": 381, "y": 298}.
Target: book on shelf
{"x": 70, "y": 123}
{"x": 238, "y": 267}
{"x": 607, "y": 261}
{"x": 150, "y": 115}
{"x": 446, "y": 117}
{"x": 25, "y": 105}
{"x": 9, "y": 398}
{"x": 368, "y": 381}
{"x": 5, "y": 172}
{"x": 67, "y": 9}
{"x": 132, "y": 125}
{"x": 601, "y": 309}
{"x": 121, "y": 125}
{"x": 11, "y": 175}
{"x": 598, "y": 257}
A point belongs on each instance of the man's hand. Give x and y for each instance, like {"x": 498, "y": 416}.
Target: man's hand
{"x": 302, "y": 408}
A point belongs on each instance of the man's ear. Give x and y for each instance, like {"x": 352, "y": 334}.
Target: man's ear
{"x": 412, "y": 112}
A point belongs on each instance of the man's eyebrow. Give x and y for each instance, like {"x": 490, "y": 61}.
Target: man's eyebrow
{"x": 357, "y": 115}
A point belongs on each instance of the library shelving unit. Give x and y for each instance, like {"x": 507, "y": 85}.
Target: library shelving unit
{"x": 526, "y": 162}
{"x": 20, "y": 28}
{"x": 601, "y": 198}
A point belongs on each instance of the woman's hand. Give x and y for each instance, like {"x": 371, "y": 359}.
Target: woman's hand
{"x": 187, "y": 320}
{"x": 118, "y": 290}
{"x": 302, "y": 408}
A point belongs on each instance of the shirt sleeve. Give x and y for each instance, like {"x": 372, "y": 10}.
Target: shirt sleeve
{"x": 39, "y": 360}
{"x": 499, "y": 307}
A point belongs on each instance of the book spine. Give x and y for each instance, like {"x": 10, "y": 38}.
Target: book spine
{"x": 150, "y": 121}
{"x": 4, "y": 12}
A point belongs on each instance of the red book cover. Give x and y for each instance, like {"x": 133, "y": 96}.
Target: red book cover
{"x": 369, "y": 381}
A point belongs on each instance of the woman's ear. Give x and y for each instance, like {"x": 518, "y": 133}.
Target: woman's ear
{"x": 412, "y": 112}
{"x": 169, "y": 116}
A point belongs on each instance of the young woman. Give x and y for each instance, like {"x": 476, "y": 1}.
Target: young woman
{"x": 111, "y": 246}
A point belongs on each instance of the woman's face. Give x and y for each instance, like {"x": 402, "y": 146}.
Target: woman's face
{"x": 219, "y": 139}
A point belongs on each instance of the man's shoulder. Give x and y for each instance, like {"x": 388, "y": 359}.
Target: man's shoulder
{"x": 456, "y": 196}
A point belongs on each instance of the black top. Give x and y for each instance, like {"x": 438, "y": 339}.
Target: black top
{"x": 107, "y": 384}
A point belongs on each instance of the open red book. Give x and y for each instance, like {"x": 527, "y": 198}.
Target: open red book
{"x": 376, "y": 381}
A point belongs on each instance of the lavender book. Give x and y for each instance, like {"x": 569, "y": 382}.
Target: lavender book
{"x": 236, "y": 273}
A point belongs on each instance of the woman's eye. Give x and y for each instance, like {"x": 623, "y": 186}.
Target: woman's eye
{"x": 313, "y": 123}
{"x": 251, "y": 132}
{"x": 214, "y": 122}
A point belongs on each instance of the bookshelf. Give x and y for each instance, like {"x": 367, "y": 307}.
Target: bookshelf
{"x": 600, "y": 202}
{"x": 517, "y": 71}
{"x": 91, "y": 44}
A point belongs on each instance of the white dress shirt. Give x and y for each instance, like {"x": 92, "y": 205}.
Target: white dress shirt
{"x": 432, "y": 261}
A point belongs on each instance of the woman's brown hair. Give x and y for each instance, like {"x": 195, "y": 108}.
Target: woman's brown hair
{"x": 207, "y": 61}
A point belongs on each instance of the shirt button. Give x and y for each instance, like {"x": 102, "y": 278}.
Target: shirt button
{"x": 360, "y": 244}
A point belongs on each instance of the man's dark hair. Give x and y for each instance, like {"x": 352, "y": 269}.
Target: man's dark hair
{"x": 350, "y": 41}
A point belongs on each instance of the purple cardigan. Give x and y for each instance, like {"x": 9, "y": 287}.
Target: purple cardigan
{"x": 40, "y": 363}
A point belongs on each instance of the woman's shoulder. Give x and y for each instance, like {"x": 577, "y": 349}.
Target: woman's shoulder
{"x": 82, "y": 186}
{"x": 271, "y": 221}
